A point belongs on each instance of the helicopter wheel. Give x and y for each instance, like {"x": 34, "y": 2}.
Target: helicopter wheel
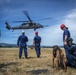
{"x": 34, "y": 29}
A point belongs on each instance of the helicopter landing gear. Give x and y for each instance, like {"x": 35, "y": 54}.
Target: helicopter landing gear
{"x": 34, "y": 29}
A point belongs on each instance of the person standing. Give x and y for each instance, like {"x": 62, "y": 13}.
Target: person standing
{"x": 66, "y": 33}
{"x": 21, "y": 43}
{"x": 37, "y": 42}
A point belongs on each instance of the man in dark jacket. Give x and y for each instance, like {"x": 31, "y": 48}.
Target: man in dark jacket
{"x": 21, "y": 43}
{"x": 70, "y": 49}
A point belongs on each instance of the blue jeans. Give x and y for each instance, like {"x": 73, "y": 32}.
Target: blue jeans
{"x": 20, "y": 51}
{"x": 37, "y": 49}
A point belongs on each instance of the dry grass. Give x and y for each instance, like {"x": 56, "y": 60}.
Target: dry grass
{"x": 10, "y": 64}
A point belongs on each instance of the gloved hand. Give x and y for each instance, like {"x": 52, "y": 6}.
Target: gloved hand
{"x": 32, "y": 46}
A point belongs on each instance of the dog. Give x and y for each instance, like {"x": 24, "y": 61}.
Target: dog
{"x": 58, "y": 58}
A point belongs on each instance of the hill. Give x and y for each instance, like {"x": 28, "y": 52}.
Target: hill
{"x": 15, "y": 45}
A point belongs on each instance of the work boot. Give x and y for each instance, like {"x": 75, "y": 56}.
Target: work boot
{"x": 38, "y": 56}
{"x": 26, "y": 57}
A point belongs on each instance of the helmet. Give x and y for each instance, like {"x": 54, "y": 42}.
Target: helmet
{"x": 69, "y": 39}
{"x": 36, "y": 33}
{"x": 23, "y": 32}
{"x": 62, "y": 26}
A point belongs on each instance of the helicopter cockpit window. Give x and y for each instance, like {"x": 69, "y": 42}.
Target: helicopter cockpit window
{"x": 37, "y": 23}
{"x": 23, "y": 24}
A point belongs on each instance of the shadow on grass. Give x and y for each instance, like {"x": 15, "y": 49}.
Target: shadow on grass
{"x": 39, "y": 71}
{"x": 35, "y": 57}
{"x": 7, "y": 64}
{"x": 3, "y": 66}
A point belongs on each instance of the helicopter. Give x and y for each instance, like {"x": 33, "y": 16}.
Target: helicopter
{"x": 27, "y": 24}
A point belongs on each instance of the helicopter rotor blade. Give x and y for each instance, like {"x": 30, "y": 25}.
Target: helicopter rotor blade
{"x": 26, "y": 13}
{"x": 19, "y": 21}
{"x": 43, "y": 19}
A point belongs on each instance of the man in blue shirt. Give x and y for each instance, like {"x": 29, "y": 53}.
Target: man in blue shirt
{"x": 66, "y": 33}
{"x": 37, "y": 41}
{"x": 71, "y": 59}
{"x": 21, "y": 43}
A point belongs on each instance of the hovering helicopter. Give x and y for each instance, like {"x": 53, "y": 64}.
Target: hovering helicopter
{"x": 27, "y": 24}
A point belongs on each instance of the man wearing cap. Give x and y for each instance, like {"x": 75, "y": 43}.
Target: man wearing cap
{"x": 66, "y": 33}
{"x": 70, "y": 50}
{"x": 37, "y": 41}
{"x": 68, "y": 46}
{"x": 21, "y": 43}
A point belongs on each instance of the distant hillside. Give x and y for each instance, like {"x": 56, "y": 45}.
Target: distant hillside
{"x": 7, "y": 45}
{"x": 14, "y": 45}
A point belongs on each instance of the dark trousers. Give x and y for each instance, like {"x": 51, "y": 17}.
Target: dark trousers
{"x": 71, "y": 59}
{"x": 25, "y": 52}
{"x": 37, "y": 49}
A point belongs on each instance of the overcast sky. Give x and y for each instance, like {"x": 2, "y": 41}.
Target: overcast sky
{"x": 61, "y": 11}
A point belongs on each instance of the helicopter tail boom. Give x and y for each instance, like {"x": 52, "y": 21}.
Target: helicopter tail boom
{"x": 45, "y": 26}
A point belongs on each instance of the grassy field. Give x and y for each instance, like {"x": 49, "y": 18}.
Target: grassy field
{"x": 10, "y": 64}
